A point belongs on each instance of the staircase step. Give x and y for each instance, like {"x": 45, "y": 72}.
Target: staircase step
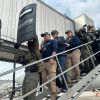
{"x": 43, "y": 94}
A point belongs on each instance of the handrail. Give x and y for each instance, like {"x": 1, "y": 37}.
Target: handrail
{"x": 8, "y": 37}
{"x": 21, "y": 67}
{"x": 11, "y": 92}
{"x": 19, "y": 98}
{"x": 13, "y": 70}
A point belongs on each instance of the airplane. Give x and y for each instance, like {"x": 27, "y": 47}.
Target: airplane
{"x": 95, "y": 85}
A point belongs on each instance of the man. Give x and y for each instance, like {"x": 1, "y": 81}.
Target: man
{"x": 49, "y": 48}
{"x": 84, "y": 51}
{"x": 31, "y": 79}
{"x": 92, "y": 28}
{"x": 97, "y": 45}
{"x": 97, "y": 34}
{"x": 73, "y": 56}
{"x": 61, "y": 47}
{"x": 90, "y": 33}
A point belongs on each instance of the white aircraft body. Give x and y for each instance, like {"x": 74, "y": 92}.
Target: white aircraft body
{"x": 94, "y": 85}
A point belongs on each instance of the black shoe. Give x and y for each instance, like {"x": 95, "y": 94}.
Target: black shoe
{"x": 57, "y": 97}
{"x": 63, "y": 89}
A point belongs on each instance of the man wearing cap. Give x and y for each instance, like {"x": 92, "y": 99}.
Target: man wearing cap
{"x": 90, "y": 33}
{"x": 73, "y": 56}
{"x": 92, "y": 36}
{"x": 49, "y": 48}
{"x": 61, "y": 47}
{"x": 84, "y": 38}
{"x": 97, "y": 34}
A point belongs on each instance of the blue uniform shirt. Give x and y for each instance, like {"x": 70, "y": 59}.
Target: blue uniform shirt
{"x": 73, "y": 41}
{"x": 49, "y": 47}
{"x": 61, "y": 44}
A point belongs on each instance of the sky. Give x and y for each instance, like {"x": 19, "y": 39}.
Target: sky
{"x": 74, "y": 8}
{"x": 5, "y": 66}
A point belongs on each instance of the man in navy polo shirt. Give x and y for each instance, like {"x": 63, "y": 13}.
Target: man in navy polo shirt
{"x": 49, "y": 48}
{"x": 73, "y": 56}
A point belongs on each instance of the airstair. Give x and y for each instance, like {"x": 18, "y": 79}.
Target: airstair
{"x": 73, "y": 92}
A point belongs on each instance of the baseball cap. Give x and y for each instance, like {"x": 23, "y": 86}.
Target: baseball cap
{"x": 54, "y": 31}
{"x": 68, "y": 31}
{"x": 43, "y": 34}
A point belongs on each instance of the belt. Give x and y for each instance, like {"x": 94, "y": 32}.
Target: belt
{"x": 46, "y": 60}
{"x": 72, "y": 51}
{"x": 32, "y": 69}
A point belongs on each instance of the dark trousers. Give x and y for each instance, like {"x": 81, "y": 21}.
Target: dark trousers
{"x": 62, "y": 62}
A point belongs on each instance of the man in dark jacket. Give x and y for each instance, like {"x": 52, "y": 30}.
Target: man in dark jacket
{"x": 92, "y": 34}
{"x": 49, "y": 48}
{"x": 61, "y": 47}
{"x": 73, "y": 56}
{"x": 97, "y": 45}
{"x": 84, "y": 38}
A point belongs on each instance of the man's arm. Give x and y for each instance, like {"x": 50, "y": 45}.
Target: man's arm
{"x": 53, "y": 53}
{"x": 35, "y": 47}
{"x": 75, "y": 44}
{"x": 55, "y": 47}
{"x": 52, "y": 59}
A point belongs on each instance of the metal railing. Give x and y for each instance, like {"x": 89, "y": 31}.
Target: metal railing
{"x": 54, "y": 78}
{"x": 8, "y": 38}
{"x": 61, "y": 74}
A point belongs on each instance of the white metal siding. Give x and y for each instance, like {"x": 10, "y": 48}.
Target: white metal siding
{"x": 82, "y": 20}
{"x": 88, "y": 20}
{"x": 79, "y": 22}
{"x": 47, "y": 19}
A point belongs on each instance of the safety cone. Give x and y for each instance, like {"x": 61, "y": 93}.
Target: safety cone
{"x": 97, "y": 93}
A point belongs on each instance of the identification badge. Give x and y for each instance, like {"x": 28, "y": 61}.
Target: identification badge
{"x": 44, "y": 49}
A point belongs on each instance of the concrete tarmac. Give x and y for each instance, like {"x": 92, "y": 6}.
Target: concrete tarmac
{"x": 88, "y": 95}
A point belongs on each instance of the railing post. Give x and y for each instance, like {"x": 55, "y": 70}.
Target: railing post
{"x": 90, "y": 55}
{"x": 61, "y": 72}
{"x": 13, "y": 89}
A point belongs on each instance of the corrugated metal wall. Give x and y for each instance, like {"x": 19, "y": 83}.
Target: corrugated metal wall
{"x": 82, "y": 20}
{"x": 88, "y": 20}
{"x": 47, "y": 18}
{"x": 79, "y": 22}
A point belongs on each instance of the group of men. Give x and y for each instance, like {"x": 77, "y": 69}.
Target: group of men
{"x": 86, "y": 51}
{"x": 50, "y": 47}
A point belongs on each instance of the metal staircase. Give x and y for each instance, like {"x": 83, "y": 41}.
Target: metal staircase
{"x": 73, "y": 92}
{"x": 81, "y": 86}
